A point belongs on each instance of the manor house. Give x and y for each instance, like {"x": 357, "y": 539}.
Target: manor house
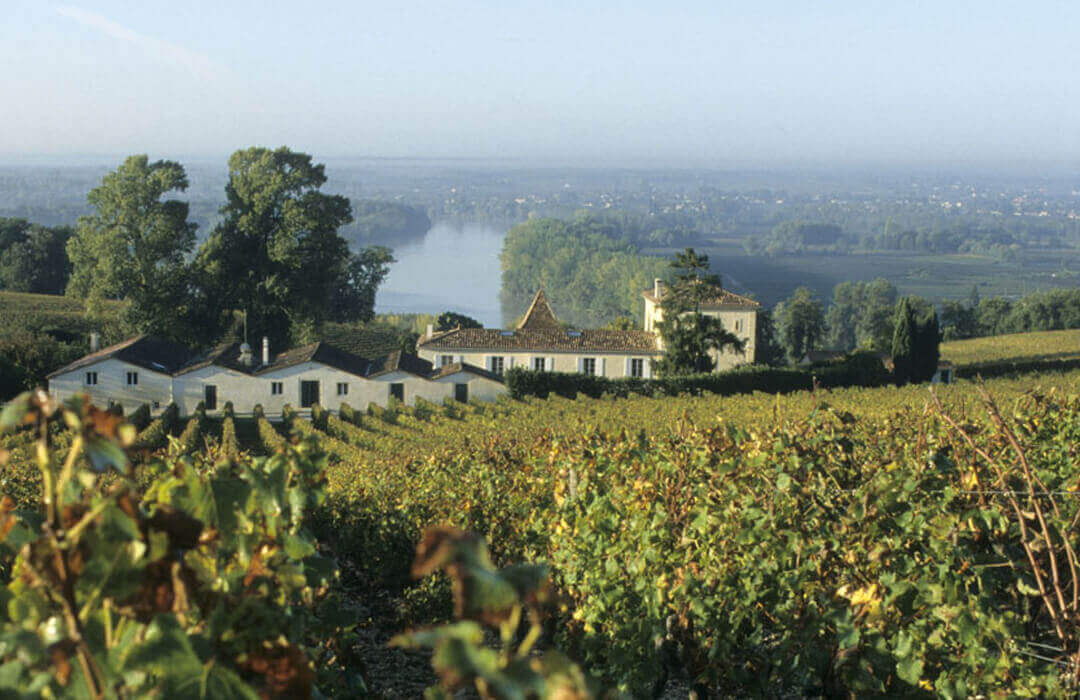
{"x": 541, "y": 342}
{"x": 460, "y": 364}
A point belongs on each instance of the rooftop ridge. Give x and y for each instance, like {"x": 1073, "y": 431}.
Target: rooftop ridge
{"x": 540, "y": 315}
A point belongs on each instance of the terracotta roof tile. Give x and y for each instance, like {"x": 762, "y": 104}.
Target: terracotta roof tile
{"x": 721, "y": 299}
{"x": 540, "y": 316}
{"x": 544, "y": 340}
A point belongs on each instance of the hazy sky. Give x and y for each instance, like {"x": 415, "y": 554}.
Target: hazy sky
{"x": 715, "y": 82}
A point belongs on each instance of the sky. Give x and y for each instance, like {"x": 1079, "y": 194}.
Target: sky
{"x": 714, "y": 83}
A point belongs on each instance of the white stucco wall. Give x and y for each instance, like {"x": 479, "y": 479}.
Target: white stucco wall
{"x": 607, "y": 364}
{"x": 112, "y": 385}
{"x": 480, "y": 388}
{"x": 740, "y": 321}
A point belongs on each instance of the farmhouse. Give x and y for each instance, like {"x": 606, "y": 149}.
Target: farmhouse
{"x": 541, "y": 342}
{"x": 147, "y": 370}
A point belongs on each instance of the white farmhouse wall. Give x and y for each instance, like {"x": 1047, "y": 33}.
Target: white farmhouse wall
{"x": 112, "y": 385}
{"x": 607, "y": 364}
{"x": 290, "y": 378}
{"x": 243, "y": 390}
{"x": 480, "y": 388}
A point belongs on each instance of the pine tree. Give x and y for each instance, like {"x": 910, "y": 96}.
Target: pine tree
{"x": 903, "y": 344}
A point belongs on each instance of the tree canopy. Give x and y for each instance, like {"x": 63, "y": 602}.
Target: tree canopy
{"x": 134, "y": 246}
{"x": 800, "y": 323}
{"x": 277, "y": 253}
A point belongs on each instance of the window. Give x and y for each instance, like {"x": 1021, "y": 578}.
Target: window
{"x": 538, "y": 364}
{"x": 461, "y": 393}
{"x": 637, "y": 367}
{"x": 397, "y": 391}
{"x": 91, "y": 379}
{"x": 309, "y": 393}
{"x": 276, "y": 388}
{"x": 156, "y": 405}
{"x": 342, "y": 389}
{"x": 445, "y": 360}
{"x": 738, "y": 326}
{"x": 133, "y": 378}
{"x": 498, "y": 364}
{"x": 210, "y": 398}
{"x": 588, "y": 365}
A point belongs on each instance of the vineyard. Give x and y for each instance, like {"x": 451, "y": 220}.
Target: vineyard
{"x": 854, "y": 541}
{"x": 1013, "y": 347}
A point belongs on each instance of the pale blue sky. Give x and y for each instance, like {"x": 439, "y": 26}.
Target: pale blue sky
{"x": 701, "y": 83}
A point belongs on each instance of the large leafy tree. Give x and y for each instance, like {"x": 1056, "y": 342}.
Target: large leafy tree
{"x": 860, "y": 315}
{"x": 134, "y": 246}
{"x": 691, "y": 339}
{"x": 35, "y": 260}
{"x": 277, "y": 253}
{"x": 800, "y": 323}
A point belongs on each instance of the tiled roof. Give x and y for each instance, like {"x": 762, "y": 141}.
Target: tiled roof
{"x": 144, "y": 351}
{"x": 540, "y": 316}
{"x": 721, "y": 299}
{"x": 447, "y": 370}
{"x": 229, "y": 356}
{"x": 543, "y": 340}
{"x": 399, "y": 362}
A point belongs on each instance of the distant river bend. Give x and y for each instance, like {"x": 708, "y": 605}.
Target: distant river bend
{"x": 454, "y": 267}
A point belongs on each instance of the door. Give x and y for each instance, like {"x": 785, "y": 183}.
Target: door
{"x": 461, "y": 393}
{"x": 309, "y": 394}
{"x": 210, "y": 399}
{"x": 397, "y": 391}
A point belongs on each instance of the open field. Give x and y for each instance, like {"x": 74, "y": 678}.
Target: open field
{"x": 1042, "y": 345}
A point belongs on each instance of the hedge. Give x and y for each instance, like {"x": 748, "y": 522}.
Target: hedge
{"x": 859, "y": 369}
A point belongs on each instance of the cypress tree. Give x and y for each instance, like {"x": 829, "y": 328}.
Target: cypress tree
{"x": 927, "y": 347}
{"x": 903, "y": 343}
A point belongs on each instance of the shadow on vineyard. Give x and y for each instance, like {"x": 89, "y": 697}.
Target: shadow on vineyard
{"x": 847, "y": 543}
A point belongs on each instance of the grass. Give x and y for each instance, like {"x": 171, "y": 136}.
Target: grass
{"x": 1015, "y": 346}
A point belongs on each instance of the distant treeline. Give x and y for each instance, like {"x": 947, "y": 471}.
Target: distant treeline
{"x": 861, "y": 315}
{"x": 377, "y": 222}
{"x": 1004, "y": 242}
{"x": 589, "y": 267}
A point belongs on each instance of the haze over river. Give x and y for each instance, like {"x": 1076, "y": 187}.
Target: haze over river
{"x": 455, "y": 267}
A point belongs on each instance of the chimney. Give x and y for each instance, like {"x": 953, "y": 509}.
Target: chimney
{"x": 658, "y": 287}
{"x": 266, "y": 351}
{"x": 95, "y": 342}
{"x": 430, "y": 330}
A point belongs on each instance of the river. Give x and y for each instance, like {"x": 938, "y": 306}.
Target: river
{"x": 454, "y": 268}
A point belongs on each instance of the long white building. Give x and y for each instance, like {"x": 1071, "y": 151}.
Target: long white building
{"x": 147, "y": 370}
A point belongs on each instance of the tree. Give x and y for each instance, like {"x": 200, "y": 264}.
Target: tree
{"x": 903, "y": 345}
{"x": 448, "y": 320}
{"x": 767, "y": 348}
{"x": 38, "y": 263}
{"x": 134, "y": 246}
{"x": 277, "y": 252}
{"x": 860, "y": 315}
{"x": 800, "y": 323}
{"x": 691, "y": 339}
{"x": 927, "y": 346}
